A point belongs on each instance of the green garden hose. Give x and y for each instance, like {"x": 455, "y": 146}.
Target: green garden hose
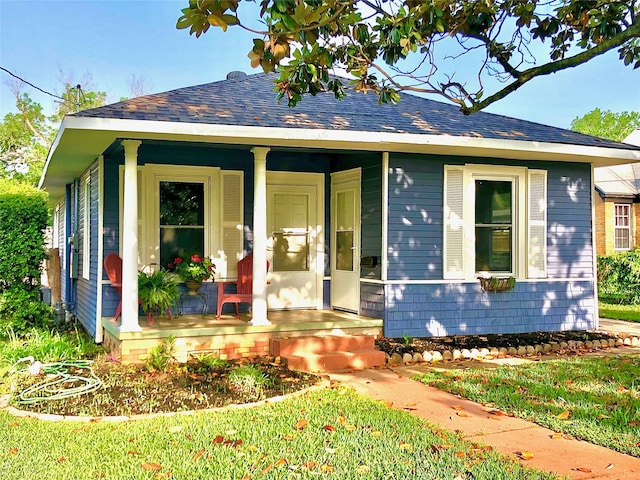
{"x": 60, "y": 382}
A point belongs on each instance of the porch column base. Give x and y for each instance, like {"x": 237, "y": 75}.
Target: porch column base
{"x": 256, "y": 322}
{"x": 130, "y": 328}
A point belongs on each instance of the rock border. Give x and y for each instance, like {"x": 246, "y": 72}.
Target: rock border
{"x": 490, "y": 353}
{"x": 16, "y": 412}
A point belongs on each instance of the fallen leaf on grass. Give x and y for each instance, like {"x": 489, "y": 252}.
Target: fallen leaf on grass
{"x": 282, "y": 461}
{"x": 460, "y": 454}
{"x": 198, "y": 455}
{"x": 564, "y": 415}
{"x": 151, "y": 466}
{"x": 62, "y": 459}
{"x": 376, "y": 433}
{"x": 342, "y": 420}
{"x": 301, "y": 424}
{"x": 267, "y": 469}
{"x": 525, "y": 455}
{"x": 329, "y": 428}
{"x": 13, "y": 451}
{"x": 175, "y": 429}
{"x": 324, "y": 468}
{"x": 309, "y": 465}
{"x": 14, "y": 424}
{"x": 288, "y": 437}
{"x": 362, "y": 469}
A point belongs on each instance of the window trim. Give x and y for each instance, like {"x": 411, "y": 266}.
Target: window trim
{"x": 627, "y": 207}
{"x": 86, "y": 227}
{"x": 529, "y": 219}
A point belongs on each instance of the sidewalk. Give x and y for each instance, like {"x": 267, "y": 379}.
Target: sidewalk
{"x": 576, "y": 459}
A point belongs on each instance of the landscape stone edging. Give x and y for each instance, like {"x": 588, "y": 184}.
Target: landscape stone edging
{"x": 557, "y": 348}
{"x": 16, "y": 412}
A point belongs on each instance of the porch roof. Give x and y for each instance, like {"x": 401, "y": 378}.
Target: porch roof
{"x": 243, "y": 111}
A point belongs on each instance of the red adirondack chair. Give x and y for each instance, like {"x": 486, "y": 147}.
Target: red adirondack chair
{"x": 244, "y": 289}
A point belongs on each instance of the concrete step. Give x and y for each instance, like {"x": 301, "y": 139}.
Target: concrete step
{"x": 335, "y": 361}
{"x": 284, "y": 347}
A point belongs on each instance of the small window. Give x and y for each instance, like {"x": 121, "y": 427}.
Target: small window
{"x": 622, "y": 227}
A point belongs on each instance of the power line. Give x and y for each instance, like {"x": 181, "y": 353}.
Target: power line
{"x": 30, "y": 84}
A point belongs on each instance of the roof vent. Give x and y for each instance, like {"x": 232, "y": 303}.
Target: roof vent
{"x": 235, "y": 74}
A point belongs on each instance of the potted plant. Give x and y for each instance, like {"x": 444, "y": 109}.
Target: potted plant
{"x": 193, "y": 271}
{"x": 157, "y": 292}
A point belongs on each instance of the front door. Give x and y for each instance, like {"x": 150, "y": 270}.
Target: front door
{"x": 294, "y": 241}
{"x": 345, "y": 240}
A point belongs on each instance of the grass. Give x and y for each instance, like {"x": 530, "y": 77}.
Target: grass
{"x": 333, "y": 433}
{"x": 591, "y": 398}
{"x": 629, "y": 313}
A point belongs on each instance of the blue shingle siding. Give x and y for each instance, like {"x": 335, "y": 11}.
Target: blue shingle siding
{"x": 372, "y": 299}
{"x": 569, "y": 235}
{"x": 425, "y": 310}
{"x": 415, "y": 217}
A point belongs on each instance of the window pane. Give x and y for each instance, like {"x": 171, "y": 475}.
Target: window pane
{"x": 290, "y": 252}
{"x": 494, "y": 242}
{"x": 621, "y": 237}
{"x": 493, "y": 202}
{"x": 344, "y": 253}
{"x": 180, "y": 242}
{"x": 181, "y": 203}
{"x": 493, "y": 249}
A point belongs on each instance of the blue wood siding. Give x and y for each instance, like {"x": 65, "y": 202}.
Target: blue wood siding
{"x": 569, "y": 234}
{"x": 372, "y": 299}
{"x": 432, "y": 308}
{"x": 86, "y": 289}
{"x": 464, "y": 309}
{"x": 415, "y": 217}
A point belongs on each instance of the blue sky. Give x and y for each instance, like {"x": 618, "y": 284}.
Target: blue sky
{"x": 111, "y": 41}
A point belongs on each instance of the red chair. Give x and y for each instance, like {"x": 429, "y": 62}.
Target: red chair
{"x": 113, "y": 267}
{"x": 244, "y": 286}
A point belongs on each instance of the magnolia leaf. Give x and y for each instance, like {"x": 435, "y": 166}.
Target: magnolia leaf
{"x": 198, "y": 455}
{"x": 564, "y": 415}
{"x": 217, "y": 21}
{"x": 151, "y": 466}
{"x": 301, "y": 424}
{"x": 525, "y": 455}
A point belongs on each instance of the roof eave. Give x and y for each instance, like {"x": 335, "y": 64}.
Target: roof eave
{"x": 69, "y": 156}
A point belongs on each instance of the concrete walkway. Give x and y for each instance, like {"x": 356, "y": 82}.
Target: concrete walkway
{"x": 563, "y": 456}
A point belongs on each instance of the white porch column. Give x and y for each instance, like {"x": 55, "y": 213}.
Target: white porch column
{"x": 130, "y": 239}
{"x": 259, "y": 304}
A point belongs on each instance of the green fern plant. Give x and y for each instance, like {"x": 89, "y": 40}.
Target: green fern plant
{"x": 162, "y": 356}
{"x": 158, "y": 290}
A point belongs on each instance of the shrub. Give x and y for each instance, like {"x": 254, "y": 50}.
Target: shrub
{"x": 23, "y": 219}
{"x": 619, "y": 277}
{"x": 249, "y": 380}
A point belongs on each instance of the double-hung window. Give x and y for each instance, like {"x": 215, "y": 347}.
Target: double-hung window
{"x": 495, "y": 221}
{"x": 622, "y": 226}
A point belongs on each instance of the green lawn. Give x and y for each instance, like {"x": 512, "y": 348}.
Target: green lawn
{"x": 333, "y": 433}
{"x": 629, "y": 313}
{"x": 595, "y": 399}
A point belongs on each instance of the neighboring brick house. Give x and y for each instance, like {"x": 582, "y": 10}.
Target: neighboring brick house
{"x": 617, "y": 205}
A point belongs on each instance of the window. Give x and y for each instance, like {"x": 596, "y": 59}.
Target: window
{"x": 495, "y": 221}
{"x": 622, "y": 226}
{"x": 184, "y": 210}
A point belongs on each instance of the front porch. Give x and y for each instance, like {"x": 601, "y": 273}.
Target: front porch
{"x": 228, "y": 337}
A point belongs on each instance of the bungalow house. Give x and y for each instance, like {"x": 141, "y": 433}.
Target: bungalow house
{"x": 617, "y": 205}
{"x": 373, "y": 218}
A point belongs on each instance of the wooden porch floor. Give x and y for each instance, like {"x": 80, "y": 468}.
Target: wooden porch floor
{"x": 287, "y": 321}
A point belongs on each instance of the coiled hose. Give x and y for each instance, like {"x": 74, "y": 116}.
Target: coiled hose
{"x": 60, "y": 383}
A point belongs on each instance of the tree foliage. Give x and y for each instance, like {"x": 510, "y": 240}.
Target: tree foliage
{"x": 25, "y": 137}
{"x": 607, "y": 124}
{"x": 393, "y": 45}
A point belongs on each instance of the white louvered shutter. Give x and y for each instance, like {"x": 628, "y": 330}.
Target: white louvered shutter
{"x": 453, "y": 242}
{"x": 537, "y": 224}
{"x": 232, "y": 219}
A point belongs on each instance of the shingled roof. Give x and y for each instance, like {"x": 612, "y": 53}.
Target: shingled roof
{"x": 250, "y": 101}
